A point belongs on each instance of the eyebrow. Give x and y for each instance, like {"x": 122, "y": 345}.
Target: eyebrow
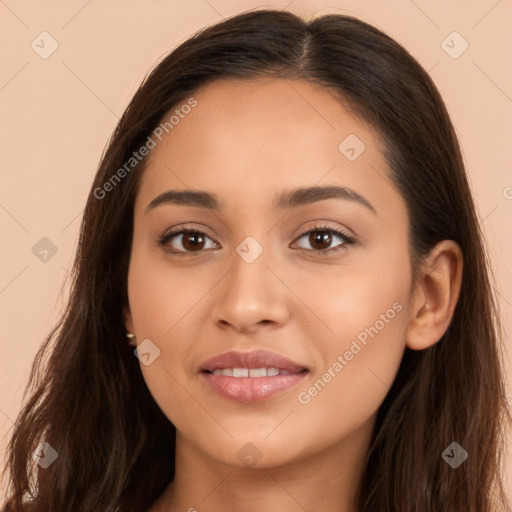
{"x": 287, "y": 200}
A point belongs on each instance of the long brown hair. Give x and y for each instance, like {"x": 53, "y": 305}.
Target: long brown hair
{"x": 86, "y": 396}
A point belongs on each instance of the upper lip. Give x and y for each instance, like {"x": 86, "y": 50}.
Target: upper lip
{"x": 254, "y": 359}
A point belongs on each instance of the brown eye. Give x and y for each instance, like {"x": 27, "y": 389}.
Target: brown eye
{"x": 185, "y": 241}
{"x": 320, "y": 239}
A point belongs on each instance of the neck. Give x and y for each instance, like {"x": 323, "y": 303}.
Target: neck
{"x": 326, "y": 480}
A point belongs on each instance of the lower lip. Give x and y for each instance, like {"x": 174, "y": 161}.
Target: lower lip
{"x": 252, "y": 389}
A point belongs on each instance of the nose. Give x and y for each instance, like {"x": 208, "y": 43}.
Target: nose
{"x": 251, "y": 296}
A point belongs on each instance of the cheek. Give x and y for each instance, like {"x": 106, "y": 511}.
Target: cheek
{"x": 345, "y": 301}
{"x": 359, "y": 365}
{"x": 164, "y": 303}
{"x": 162, "y": 295}
{"x": 359, "y": 336}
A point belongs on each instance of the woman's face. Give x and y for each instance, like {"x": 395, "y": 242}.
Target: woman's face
{"x": 255, "y": 277}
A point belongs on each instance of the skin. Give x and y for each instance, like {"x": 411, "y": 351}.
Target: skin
{"x": 247, "y": 142}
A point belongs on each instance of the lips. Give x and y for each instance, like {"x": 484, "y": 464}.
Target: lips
{"x": 251, "y": 376}
{"x": 251, "y": 360}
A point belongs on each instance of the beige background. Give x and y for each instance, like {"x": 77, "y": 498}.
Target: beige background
{"x": 58, "y": 112}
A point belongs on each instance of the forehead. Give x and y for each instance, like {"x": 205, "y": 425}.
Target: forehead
{"x": 245, "y": 140}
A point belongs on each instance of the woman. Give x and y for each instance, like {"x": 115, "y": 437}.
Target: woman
{"x": 281, "y": 298}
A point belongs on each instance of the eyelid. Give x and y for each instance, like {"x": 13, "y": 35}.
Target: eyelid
{"x": 326, "y": 225}
{"x": 187, "y": 227}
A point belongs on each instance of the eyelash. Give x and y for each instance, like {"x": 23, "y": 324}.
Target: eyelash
{"x": 347, "y": 240}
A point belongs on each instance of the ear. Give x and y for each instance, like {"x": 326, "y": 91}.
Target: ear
{"x": 435, "y": 296}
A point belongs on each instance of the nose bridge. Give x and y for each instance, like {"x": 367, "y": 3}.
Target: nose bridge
{"x": 250, "y": 292}
{"x": 250, "y": 277}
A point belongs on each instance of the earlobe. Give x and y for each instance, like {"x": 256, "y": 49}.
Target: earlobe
{"x": 435, "y": 296}
{"x": 127, "y": 318}
{"x": 128, "y": 324}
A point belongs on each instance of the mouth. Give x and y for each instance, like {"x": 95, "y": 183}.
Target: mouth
{"x": 251, "y": 372}
{"x": 249, "y": 377}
